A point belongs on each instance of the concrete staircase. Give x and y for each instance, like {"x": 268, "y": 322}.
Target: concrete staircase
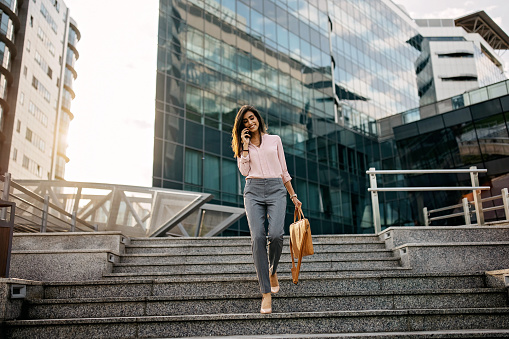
{"x": 353, "y": 287}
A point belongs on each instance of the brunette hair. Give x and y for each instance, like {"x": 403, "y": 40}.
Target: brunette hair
{"x": 238, "y": 126}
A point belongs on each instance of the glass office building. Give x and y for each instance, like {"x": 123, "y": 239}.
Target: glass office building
{"x": 321, "y": 73}
{"x": 470, "y": 129}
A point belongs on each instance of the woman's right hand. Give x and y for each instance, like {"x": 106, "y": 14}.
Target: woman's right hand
{"x": 245, "y": 136}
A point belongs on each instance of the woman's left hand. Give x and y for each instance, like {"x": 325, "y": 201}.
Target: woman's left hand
{"x": 296, "y": 202}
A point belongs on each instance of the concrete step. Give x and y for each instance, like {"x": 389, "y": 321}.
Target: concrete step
{"x": 220, "y": 241}
{"x": 163, "y": 258}
{"x": 283, "y": 302}
{"x": 210, "y": 265}
{"x": 443, "y": 334}
{"x": 183, "y": 249}
{"x": 210, "y": 285}
{"x": 397, "y": 236}
{"x": 247, "y": 324}
{"x": 230, "y": 275}
{"x": 235, "y": 272}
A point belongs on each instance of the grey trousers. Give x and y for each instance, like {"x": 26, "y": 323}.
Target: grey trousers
{"x": 265, "y": 198}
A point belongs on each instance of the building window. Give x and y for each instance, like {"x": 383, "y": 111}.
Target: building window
{"x": 48, "y": 18}
{"x": 18, "y": 126}
{"x": 29, "y": 134}
{"x": 38, "y": 114}
{"x": 21, "y": 98}
{"x": 460, "y": 78}
{"x": 37, "y": 57}
{"x": 14, "y": 154}
{"x": 35, "y": 83}
{"x": 456, "y": 55}
{"x": 29, "y": 45}
{"x": 42, "y": 90}
{"x": 31, "y": 21}
{"x": 32, "y": 166}
{"x": 26, "y": 162}
{"x": 25, "y": 71}
{"x": 193, "y": 167}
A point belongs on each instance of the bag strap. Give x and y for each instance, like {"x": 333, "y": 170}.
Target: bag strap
{"x": 298, "y": 212}
{"x": 301, "y": 250}
{"x": 299, "y": 262}
{"x": 291, "y": 253}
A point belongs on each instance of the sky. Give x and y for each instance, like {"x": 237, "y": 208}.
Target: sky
{"x": 111, "y": 137}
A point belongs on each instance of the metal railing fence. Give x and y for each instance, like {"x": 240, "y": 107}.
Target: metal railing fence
{"x": 35, "y": 213}
{"x": 63, "y": 206}
{"x": 466, "y": 211}
{"x": 475, "y": 188}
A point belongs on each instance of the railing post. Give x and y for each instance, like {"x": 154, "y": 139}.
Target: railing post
{"x": 6, "y": 233}
{"x": 426, "y": 216}
{"x": 5, "y": 193}
{"x": 474, "y": 176}
{"x": 374, "y": 202}
{"x": 466, "y": 211}
{"x": 505, "y": 200}
{"x": 73, "y": 222}
{"x": 44, "y": 222}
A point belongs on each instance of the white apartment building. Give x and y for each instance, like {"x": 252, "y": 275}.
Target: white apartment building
{"x": 39, "y": 53}
{"x": 458, "y": 55}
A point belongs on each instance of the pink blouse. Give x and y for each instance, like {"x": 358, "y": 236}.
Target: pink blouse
{"x": 266, "y": 161}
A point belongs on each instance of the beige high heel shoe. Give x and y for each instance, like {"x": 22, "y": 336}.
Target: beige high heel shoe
{"x": 274, "y": 284}
{"x": 266, "y": 303}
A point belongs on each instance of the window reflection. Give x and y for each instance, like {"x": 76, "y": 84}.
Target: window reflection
{"x": 218, "y": 55}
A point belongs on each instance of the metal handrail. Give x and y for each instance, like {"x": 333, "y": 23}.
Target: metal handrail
{"x": 135, "y": 211}
{"x": 45, "y": 209}
{"x": 445, "y": 208}
{"x": 372, "y": 170}
{"x": 466, "y": 208}
{"x": 466, "y": 212}
{"x": 475, "y": 188}
{"x": 51, "y": 205}
{"x": 496, "y": 197}
{"x": 421, "y": 189}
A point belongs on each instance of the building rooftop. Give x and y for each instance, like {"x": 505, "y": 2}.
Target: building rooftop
{"x": 481, "y": 23}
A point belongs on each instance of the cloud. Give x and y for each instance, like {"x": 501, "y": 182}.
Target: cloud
{"x": 140, "y": 124}
{"x": 468, "y": 3}
{"x": 498, "y": 20}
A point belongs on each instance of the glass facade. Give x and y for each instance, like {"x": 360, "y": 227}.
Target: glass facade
{"x": 6, "y": 46}
{"x": 320, "y": 72}
{"x": 67, "y": 96}
{"x": 475, "y": 135}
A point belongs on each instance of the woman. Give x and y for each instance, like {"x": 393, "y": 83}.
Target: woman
{"x": 261, "y": 160}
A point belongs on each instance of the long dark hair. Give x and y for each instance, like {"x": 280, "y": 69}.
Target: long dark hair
{"x": 238, "y": 126}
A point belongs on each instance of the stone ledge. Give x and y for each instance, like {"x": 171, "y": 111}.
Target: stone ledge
{"x": 60, "y": 251}
{"x": 397, "y": 236}
{"x": 114, "y": 241}
{"x": 454, "y": 257}
{"x": 62, "y": 265}
{"x": 442, "y": 334}
{"x": 498, "y": 278}
{"x": 242, "y": 316}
